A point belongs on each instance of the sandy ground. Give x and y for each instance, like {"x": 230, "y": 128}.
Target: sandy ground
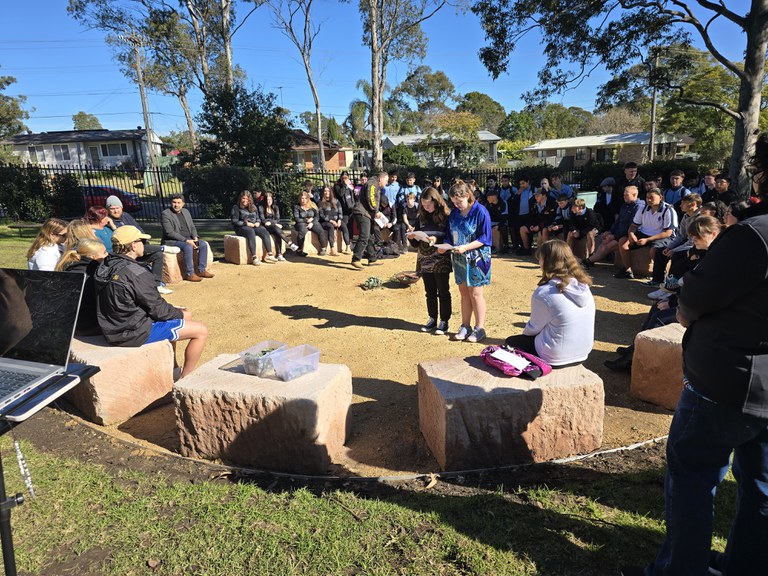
{"x": 317, "y": 301}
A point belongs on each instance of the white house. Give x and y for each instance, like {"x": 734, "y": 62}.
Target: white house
{"x": 417, "y": 141}
{"x": 94, "y": 148}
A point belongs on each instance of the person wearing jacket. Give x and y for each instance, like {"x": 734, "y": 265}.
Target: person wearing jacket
{"x": 180, "y": 231}
{"x": 721, "y": 419}
{"x": 269, "y": 215}
{"x": 131, "y": 312}
{"x": 541, "y": 213}
{"x": 345, "y": 197}
{"x": 306, "y": 218}
{"x": 609, "y": 240}
{"x": 85, "y": 259}
{"x": 583, "y": 224}
{"x": 365, "y": 210}
{"x": 561, "y": 328}
{"x": 246, "y": 222}
{"x": 330, "y": 217}
{"x": 608, "y": 203}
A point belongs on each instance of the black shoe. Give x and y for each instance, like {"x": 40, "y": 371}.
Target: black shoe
{"x": 632, "y": 571}
{"x": 302, "y": 253}
{"x": 652, "y": 282}
{"x": 504, "y": 250}
{"x": 623, "y": 364}
{"x": 624, "y": 349}
{"x": 374, "y": 263}
{"x": 625, "y": 274}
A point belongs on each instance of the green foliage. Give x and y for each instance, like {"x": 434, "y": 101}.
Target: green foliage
{"x": 180, "y": 140}
{"x": 490, "y": 112}
{"x": 217, "y": 186}
{"x": 246, "y": 129}
{"x": 545, "y": 122}
{"x": 512, "y": 149}
{"x": 67, "y": 198}
{"x": 400, "y": 155}
{"x": 518, "y": 126}
{"x": 430, "y": 91}
{"x": 25, "y": 193}
{"x": 12, "y": 113}
{"x": 85, "y": 121}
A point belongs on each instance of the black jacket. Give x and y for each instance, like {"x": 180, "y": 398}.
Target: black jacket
{"x": 345, "y": 197}
{"x": 542, "y": 218}
{"x": 241, "y": 216}
{"x": 583, "y": 223}
{"x": 608, "y": 211}
{"x": 725, "y": 300}
{"x": 171, "y": 229}
{"x": 368, "y": 203}
{"x": 128, "y": 301}
{"x": 273, "y": 217}
{"x": 87, "y": 323}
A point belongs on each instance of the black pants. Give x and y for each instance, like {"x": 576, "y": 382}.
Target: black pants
{"x": 279, "y": 237}
{"x": 345, "y": 228}
{"x": 523, "y": 342}
{"x": 330, "y": 231}
{"x": 250, "y": 236}
{"x": 153, "y": 256}
{"x": 400, "y": 236}
{"x": 301, "y": 229}
{"x": 364, "y": 239}
{"x": 438, "y": 291}
{"x": 659, "y": 265}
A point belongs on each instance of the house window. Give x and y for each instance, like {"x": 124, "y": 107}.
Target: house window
{"x": 36, "y": 153}
{"x": 316, "y": 158}
{"x": 606, "y": 155}
{"x": 581, "y": 153}
{"x": 560, "y": 152}
{"x": 541, "y": 154}
{"x": 61, "y": 152}
{"x": 114, "y": 150}
{"x": 298, "y": 159}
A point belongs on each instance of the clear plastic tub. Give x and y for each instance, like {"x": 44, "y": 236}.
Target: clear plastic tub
{"x": 257, "y": 360}
{"x": 295, "y": 362}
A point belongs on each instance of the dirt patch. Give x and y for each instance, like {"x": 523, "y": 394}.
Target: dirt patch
{"x": 376, "y": 333}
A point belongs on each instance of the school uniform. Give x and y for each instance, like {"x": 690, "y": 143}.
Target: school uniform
{"x": 328, "y": 213}
{"x": 583, "y": 223}
{"x": 650, "y": 223}
{"x": 406, "y": 216}
{"x": 240, "y": 218}
{"x": 271, "y": 222}
{"x": 302, "y": 217}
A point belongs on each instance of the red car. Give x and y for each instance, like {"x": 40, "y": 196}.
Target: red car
{"x": 97, "y": 196}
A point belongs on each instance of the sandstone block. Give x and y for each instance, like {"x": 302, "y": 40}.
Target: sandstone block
{"x": 640, "y": 260}
{"x": 173, "y": 266}
{"x": 130, "y": 380}
{"x": 473, "y": 417}
{"x": 657, "y": 366}
{"x": 311, "y": 243}
{"x": 236, "y": 249}
{"x": 297, "y": 426}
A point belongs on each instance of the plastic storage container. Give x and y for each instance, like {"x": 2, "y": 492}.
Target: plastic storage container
{"x": 295, "y": 362}
{"x": 257, "y": 362}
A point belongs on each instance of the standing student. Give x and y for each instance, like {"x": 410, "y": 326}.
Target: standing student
{"x": 469, "y": 226}
{"x": 48, "y": 246}
{"x": 330, "y": 217}
{"x": 270, "y": 219}
{"x": 410, "y": 188}
{"x": 407, "y": 218}
{"x": 345, "y": 196}
{"x": 434, "y": 267}
{"x": 306, "y": 217}
{"x": 366, "y": 208}
{"x": 246, "y": 222}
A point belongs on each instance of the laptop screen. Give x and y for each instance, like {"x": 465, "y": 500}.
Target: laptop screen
{"x": 38, "y": 313}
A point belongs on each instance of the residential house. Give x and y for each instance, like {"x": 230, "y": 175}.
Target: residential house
{"x": 305, "y": 153}
{"x": 92, "y": 148}
{"x": 422, "y": 143}
{"x": 567, "y": 153}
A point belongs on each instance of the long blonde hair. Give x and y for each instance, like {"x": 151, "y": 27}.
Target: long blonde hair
{"x": 86, "y": 248}
{"x": 557, "y": 261}
{"x": 79, "y": 230}
{"x": 48, "y": 235}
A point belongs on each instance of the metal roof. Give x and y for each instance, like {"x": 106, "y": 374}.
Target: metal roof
{"x": 608, "y": 140}
{"x": 73, "y": 136}
{"x": 411, "y": 139}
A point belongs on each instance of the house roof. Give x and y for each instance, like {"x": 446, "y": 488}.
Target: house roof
{"x": 301, "y": 140}
{"x": 608, "y": 140}
{"x": 411, "y": 139}
{"x": 70, "y": 136}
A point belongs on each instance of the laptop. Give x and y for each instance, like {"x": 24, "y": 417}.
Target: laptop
{"x": 38, "y": 314}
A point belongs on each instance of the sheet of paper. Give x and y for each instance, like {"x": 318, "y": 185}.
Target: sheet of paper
{"x": 510, "y": 358}
{"x": 443, "y": 246}
{"x": 419, "y": 235}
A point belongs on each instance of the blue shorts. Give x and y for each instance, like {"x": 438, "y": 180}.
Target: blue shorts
{"x": 167, "y": 330}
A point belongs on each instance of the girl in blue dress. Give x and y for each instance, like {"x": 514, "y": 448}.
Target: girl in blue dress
{"x": 469, "y": 232}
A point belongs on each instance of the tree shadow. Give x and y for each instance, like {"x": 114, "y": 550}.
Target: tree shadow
{"x": 340, "y": 319}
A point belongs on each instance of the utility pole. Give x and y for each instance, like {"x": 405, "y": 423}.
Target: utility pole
{"x": 652, "y": 151}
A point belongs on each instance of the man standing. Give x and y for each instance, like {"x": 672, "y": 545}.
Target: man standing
{"x": 410, "y": 188}
{"x": 392, "y": 188}
{"x": 180, "y": 231}
{"x": 131, "y": 312}
{"x": 153, "y": 254}
{"x": 631, "y": 178}
{"x": 365, "y": 210}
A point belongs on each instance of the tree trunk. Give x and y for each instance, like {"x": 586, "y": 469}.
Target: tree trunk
{"x": 201, "y": 41}
{"x": 750, "y": 97}
{"x": 182, "y": 95}
{"x": 376, "y": 88}
{"x": 226, "y": 39}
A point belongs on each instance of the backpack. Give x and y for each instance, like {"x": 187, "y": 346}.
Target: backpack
{"x": 536, "y": 368}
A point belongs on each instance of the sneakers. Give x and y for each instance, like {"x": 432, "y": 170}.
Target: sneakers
{"x": 302, "y": 253}
{"x": 587, "y": 263}
{"x": 374, "y": 263}
{"x": 463, "y": 333}
{"x": 322, "y": 252}
{"x": 171, "y": 249}
{"x": 163, "y": 290}
{"x": 442, "y": 328}
{"x": 357, "y": 264}
{"x": 280, "y": 258}
{"x": 269, "y": 259}
{"x": 478, "y": 334}
{"x": 651, "y": 282}
{"x": 626, "y": 274}
{"x": 429, "y": 326}
{"x": 255, "y": 261}
{"x": 659, "y": 294}
{"x": 622, "y": 364}
{"x": 672, "y": 284}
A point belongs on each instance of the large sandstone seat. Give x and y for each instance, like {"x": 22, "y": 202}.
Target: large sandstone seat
{"x": 236, "y": 249}
{"x": 657, "y": 365}
{"x": 297, "y": 426}
{"x": 313, "y": 248}
{"x": 130, "y": 380}
{"x": 474, "y": 417}
{"x": 640, "y": 262}
{"x": 173, "y": 265}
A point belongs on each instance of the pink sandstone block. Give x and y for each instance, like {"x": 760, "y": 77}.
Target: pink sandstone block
{"x": 657, "y": 366}
{"x": 173, "y": 264}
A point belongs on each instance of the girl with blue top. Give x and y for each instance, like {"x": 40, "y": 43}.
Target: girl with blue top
{"x": 101, "y": 224}
{"x": 469, "y": 232}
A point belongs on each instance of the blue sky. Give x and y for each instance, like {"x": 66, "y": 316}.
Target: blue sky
{"x": 63, "y": 68}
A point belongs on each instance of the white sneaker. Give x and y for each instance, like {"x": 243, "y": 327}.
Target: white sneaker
{"x": 463, "y": 333}
{"x": 171, "y": 249}
{"x": 269, "y": 259}
{"x": 442, "y": 328}
{"x": 255, "y": 261}
{"x": 164, "y": 290}
{"x": 280, "y": 258}
{"x": 658, "y": 294}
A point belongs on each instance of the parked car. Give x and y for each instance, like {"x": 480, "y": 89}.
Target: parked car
{"x": 97, "y": 196}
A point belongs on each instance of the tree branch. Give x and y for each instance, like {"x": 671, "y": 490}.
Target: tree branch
{"x": 721, "y": 10}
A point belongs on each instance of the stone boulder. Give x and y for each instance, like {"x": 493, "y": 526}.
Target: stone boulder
{"x": 657, "y": 366}
{"x": 298, "y": 426}
{"x": 130, "y": 380}
{"x": 472, "y": 416}
{"x": 173, "y": 266}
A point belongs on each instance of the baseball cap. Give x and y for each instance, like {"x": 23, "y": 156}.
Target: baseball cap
{"x": 127, "y": 234}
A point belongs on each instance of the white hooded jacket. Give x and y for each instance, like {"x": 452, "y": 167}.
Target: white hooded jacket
{"x": 563, "y": 323}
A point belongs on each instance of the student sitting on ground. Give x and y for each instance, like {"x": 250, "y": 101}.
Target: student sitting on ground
{"x": 85, "y": 260}
{"x": 583, "y": 225}
{"x": 307, "y": 220}
{"x": 130, "y": 310}
{"x": 330, "y": 217}
{"x": 562, "y": 324}
{"x": 609, "y": 240}
{"x": 47, "y": 247}
{"x": 562, "y": 217}
{"x": 541, "y": 214}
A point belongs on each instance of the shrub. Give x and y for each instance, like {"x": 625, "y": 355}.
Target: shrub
{"x": 25, "y": 193}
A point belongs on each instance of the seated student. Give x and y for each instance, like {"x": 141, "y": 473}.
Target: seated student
{"x": 541, "y": 214}
{"x": 131, "y": 312}
{"x": 690, "y": 206}
{"x": 723, "y": 191}
{"x": 559, "y": 225}
{"x": 246, "y": 222}
{"x": 387, "y": 210}
{"x": 314, "y": 194}
{"x": 47, "y": 246}
{"x": 306, "y": 219}
{"x": 98, "y": 219}
{"x": 410, "y": 188}
{"x": 85, "y": 259}
{"x": 631, "y": 177}
{"x": 608, "y": 203}
{"x": 180, "y": 231}
{"x": 609, "y": 240}
{"x": 706, "y": 187}
{"x": 715, "y": 209}
{"x": 329, "y": 214}
{"x": 490, "y": 186}
{"x": 407, "y": 216}
{"x": 562, "y": 324}
{"x": 77, "y": 230}
{"x": 269, "y": 214}
{"x": 702, "y": 231}
{"x": 558, "y": 188}
{"x": 583, "y": 224}
{"x": 652, "y": 226}
{"x": 153, "y": 254}
{"x": 519, "y": 206}
{"x": 735, "y": 212}
{"x": 496, "y": 210}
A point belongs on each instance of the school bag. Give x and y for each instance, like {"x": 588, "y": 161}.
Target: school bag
{"x": 536, "y": 367}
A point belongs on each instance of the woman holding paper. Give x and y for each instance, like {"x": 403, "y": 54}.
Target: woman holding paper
{"x": 434, "y": 267}
{"x": 469, "y": 240}
{"x": 562, "y": 325}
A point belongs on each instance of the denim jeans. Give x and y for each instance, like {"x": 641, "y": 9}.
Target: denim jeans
{"x": 189, "y": 256}
{"x": 702, "y": 437}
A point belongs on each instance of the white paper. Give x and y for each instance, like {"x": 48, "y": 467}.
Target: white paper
{"x": 419, "y": 235}
{"x": 382, "y": 221}
{"x": 444, "y": 246}
{"x": 511, "y": 358}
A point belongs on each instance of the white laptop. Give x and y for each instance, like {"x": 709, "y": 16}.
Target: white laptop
{"x": 38, "y": 314}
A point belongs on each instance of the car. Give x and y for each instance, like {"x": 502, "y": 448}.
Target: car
{"x": 97, "y": 196}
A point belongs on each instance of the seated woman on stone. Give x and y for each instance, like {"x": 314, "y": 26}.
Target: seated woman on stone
{"x": 270, "y": 219}
{"x": 77, "y": 230}
{"x": 307, "y": 218}
{"x": 246, "y": 222}
{"x": 562, "y": 324}
{"x": 101, "y": 224}
{"x": 85, "y": 260}
{"x": 47, "y": 247}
